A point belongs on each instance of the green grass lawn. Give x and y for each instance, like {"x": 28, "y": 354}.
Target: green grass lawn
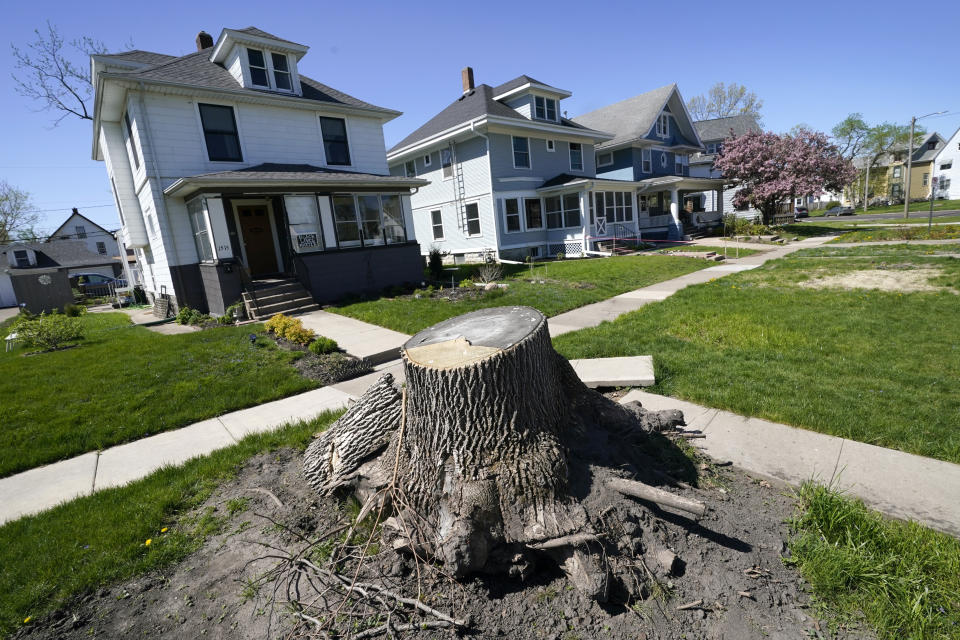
{"x": 877, "y": 234}
{"x": 566, "y": 285}
{"x": 125, "y": 382}
{"x": 902, "y": 579}
{"x": 913, "y": 220}
{"x": 875, "y": 366}
{"x": 52, "y": 557}
{"x": 938, "y": 205}
{"x": 731, "y": 250}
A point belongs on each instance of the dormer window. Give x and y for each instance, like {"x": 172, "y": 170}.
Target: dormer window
{"x": 258, "y": 68}
{"x": 22, "y": 258}
{"x": 663, "y": 126}
{"x": 281, "y": 72}
{"x": 544, "y": 108}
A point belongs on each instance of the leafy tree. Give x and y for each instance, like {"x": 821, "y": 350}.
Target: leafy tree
{"x": 17, "y": 217}
{"x": 851, "y": 135}
{"x": 770, "y": 168}
{"x": 725, "y": 100}
{"x": 56, "y": 76}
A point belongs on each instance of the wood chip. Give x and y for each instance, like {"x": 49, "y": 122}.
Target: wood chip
{"x": 745, "y": 594}
{"x": 690, "y": 605}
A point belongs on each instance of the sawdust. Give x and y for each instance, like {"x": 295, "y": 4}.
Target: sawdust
{"x": 906, "y": 280}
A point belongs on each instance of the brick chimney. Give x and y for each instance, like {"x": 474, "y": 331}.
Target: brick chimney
{"x": 467, "y": 77}
{"x": 204, "y": 41}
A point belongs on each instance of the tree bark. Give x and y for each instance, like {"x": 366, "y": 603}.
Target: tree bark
{"x": 496, "y": 454}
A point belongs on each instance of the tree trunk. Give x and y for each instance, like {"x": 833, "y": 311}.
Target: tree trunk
{"x": 499, "y": 456}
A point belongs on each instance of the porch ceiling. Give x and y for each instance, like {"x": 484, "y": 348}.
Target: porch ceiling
{"x": 685, "y": 183}
{"x": 288, "y": 176}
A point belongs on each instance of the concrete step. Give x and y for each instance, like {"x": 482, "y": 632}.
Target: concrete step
{"x": 274, "y": 289}
{"x": 286, "y": 307}
{"x": 269, "y": 297}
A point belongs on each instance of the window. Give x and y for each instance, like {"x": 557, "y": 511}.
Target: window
{"x": 680, "y": 160}
{"x": 81, "y": 231}
{"x": 642, "y": 204}
{"x": 896, "y": 172}
{"x": 335, "y": 145}
{"x": 258, "y": 68}
{"x": 370, "y": 219}
{"x": 281, "y": 72}
{"x": 436, "y": 219}
{"x": 712, "y": 148}
{"x": 446, "y": 163}
{"x": 394, "y": 230}
{"x": 646, "y": 162}
{"x": 303, "y": 218}
{"x": 946, "y": 165}
{"x": 944, "y": 184}
{"x": 931, "y": 145}
{"x": 427, "y": 160}
{"x": 576, "y": 157}
{"x": 534, "y": 213}
{"x": 473, "y": 219}
{"x": 551, "y": 145}
{"x": 544, "y": 108}
{"x": 605, "y": 159}
{"x": 133, "y": 141}
{"x": 511, "y": 213}
{"x": 896, "y": 190}
{"x": 102, "y": 248}
{"x": 616, "y": 206}
{"x": 521, "y": 153}
{"x": 410, "y": 168}
{"x": 345, "y": 221}
{"x": 663, "y": 160}
{"x": 663, "y": 126}
{"x": 201, "y": 232}
{"x": 220, "y": 133}
{"x": 926, "y": 179}
{"x": 571, "y": 210}
{"x": 554, "y": 212}
{"x": 22, "y": 257}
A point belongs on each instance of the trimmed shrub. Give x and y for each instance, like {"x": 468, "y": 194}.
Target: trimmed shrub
{"x": 186, "y": 315}
{"x": 435, "y": 263}
{"x": 278, "y": 324}
{"x": 298, "y": 334}
{"x": 73, "y": 310}
{"x": 48, "y": 332}
{"x": 323, "y": 345}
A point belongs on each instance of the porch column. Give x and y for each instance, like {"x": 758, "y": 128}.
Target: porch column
{"x": 219, "y": 235}
{"x": 585, "y": 219}
{"x": 675, "y": 213}
{"x": 720, "y": 201}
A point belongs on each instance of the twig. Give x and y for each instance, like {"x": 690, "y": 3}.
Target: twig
{"x": 269, "y": 493}
{"x": 413, "y": 626}
{"x": 745, "y": 594}
{"x": 659, "y": 496}
{"x": 690, "y": 605}
{"x": 564, "y": 541}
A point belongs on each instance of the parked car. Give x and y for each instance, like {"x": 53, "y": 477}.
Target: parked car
{"x": 801, "y": 212}
{"x": 96, "y": 284}
{"x": 839, "y": 211}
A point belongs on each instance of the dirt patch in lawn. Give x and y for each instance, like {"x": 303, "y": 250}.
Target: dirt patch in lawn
{"x": 906, "y": 279}
{"x": 731, "y": 568}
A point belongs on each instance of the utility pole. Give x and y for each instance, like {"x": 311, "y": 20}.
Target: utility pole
{"x": 906, "y": 190}
{"x": 866, "y": 187}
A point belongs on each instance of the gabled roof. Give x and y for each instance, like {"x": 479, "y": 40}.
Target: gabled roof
{"x": 632, "y": 119}
{"x": 524, "y": 80}
{"x": 720, "y": 128}
{"x": 53, "y": 236}
{"x": 196, "y": 70}
{"x": 469, "y": 106}
{"x": 923, "y": 154}
{"x": 260, "y": 33}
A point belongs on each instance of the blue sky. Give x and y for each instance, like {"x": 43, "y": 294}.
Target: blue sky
{"x": 811, "y": 62}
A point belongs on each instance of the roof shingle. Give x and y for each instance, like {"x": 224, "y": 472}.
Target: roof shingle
{"x": 628, "y": 119}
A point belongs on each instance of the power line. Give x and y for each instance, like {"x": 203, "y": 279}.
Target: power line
{"x": 92, "y": 206}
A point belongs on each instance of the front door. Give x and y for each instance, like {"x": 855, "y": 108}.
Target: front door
{"x": 257, "y": 235}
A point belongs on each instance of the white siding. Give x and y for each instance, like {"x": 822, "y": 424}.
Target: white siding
{"x": 234, "y": 64}
{"x": 267, "y": 134}
{"x": 949, "y": 154}
{"x": 120, "y": 170}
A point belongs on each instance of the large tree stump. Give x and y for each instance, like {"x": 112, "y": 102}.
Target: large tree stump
{"x": 499, "y": 456}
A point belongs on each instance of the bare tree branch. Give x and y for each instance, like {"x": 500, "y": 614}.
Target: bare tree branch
{"x": 723, "y": 101}
{"x": 56, "y": 76}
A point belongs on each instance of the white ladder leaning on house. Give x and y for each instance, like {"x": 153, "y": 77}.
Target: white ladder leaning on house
{"x": 460, "y": 190}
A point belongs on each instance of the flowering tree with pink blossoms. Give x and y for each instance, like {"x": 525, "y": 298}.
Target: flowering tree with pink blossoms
{"x": 770, "y": 169}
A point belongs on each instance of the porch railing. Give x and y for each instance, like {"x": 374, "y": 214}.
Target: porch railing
{"x": 647, "y": 222}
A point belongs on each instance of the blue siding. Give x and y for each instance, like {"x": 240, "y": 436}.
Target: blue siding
{"x": 543, "y": 164}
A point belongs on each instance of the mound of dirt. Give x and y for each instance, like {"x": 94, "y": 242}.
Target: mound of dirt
{"x": 730, "y": 568}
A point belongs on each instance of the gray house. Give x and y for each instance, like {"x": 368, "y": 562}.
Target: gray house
{"x": 712, "y": 134}
{"x": 510, "y": 176}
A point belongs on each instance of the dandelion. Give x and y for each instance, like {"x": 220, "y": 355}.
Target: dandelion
{"x": 27, "y": 619}
{"x": 164, "y": 530}
{"x": 147, "y": 543}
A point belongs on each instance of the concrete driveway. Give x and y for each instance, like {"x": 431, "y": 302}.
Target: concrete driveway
{"x": 8, "y": 312}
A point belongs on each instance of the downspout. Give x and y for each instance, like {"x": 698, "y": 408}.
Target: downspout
{"x": 178, "y": 279}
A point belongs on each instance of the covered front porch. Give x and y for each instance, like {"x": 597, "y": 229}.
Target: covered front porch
{"x": 322, "y": 234}
{"x": 682, "y": 204}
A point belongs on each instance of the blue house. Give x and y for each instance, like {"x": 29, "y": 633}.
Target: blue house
{"x": 510, "y": 176}
{"x": 653, "y": 140}
{"x": 713, "y": 133}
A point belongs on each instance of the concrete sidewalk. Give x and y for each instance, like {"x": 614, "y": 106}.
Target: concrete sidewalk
{"x": 592, "y": 315}
{"x": 360, "y": 339}
{"x": 45, "y": 487}
{"x": 898, "y": 484}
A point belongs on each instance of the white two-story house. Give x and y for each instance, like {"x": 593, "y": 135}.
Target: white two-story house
{"x": 510, "y": 176}
{"x": 233, "y": 171}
